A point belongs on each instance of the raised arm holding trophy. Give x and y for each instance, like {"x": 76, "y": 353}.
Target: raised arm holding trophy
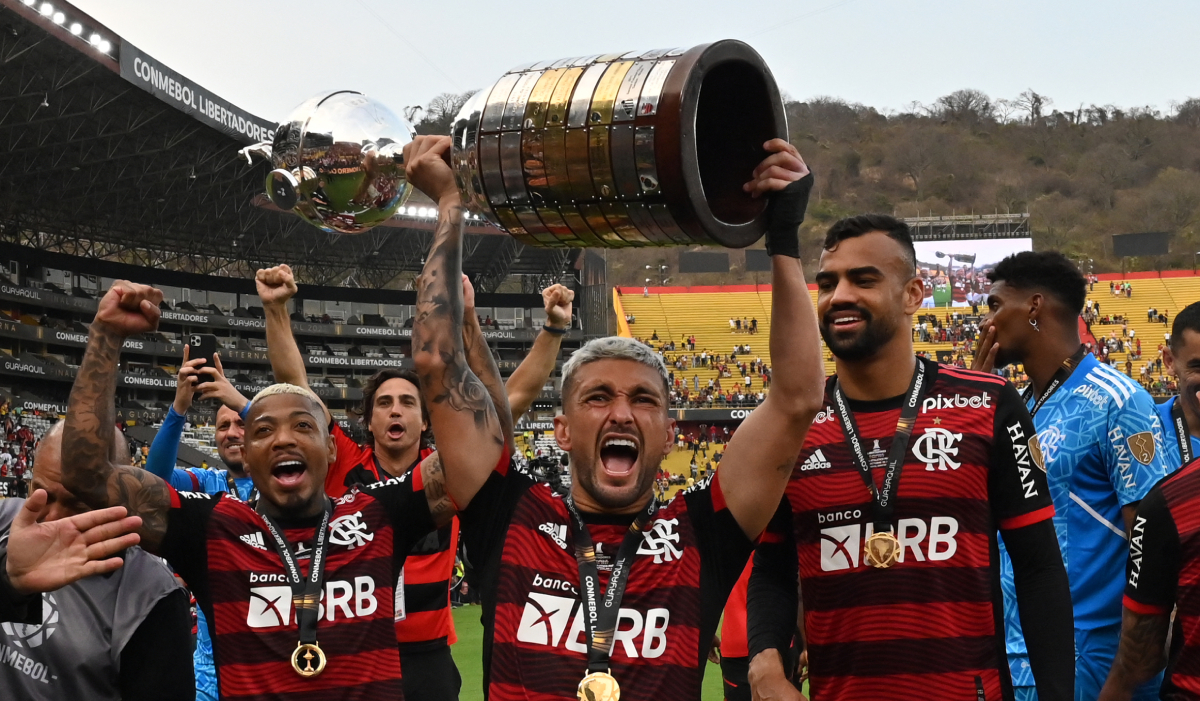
{"x": 647, "y": 148}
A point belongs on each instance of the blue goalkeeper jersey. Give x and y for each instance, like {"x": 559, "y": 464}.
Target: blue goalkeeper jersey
{"x": 1102, "y": 446}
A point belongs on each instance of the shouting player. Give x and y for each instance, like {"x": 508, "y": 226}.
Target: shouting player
{"x": 603, "y": 590}
{"x": 298, "y": 591}
{"x": 397, "y": 424}
{"x": 895, "y": 502}
{"x": 1101, "y": 442}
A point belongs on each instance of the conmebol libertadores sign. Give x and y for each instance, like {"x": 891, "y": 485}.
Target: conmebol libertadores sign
{"x": 186, "y": 96}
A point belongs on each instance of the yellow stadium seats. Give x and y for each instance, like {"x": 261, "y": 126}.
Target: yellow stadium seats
{"x": 705, "y": 314}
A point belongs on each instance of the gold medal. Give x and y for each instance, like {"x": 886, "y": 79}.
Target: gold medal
{"x": 308, "y": 659}
{"x": 599, "y": 686}
{"x": 882, "y": 549}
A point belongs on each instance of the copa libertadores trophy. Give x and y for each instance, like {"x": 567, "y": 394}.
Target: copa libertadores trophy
{"x": 645, "y": 148}
{"x": 338, "y": 162}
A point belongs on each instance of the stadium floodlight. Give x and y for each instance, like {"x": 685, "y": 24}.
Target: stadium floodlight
{"x": 46, "y": 9}
{"x": 76, "y": 28}
{"x": 29, "y": 3}
{"x": 104, "y": 46}
{"x": 94, "y": 40}
{"x": 59, "y": 18}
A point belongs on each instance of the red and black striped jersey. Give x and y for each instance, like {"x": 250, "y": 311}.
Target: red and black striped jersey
{"x": 423, "y": 607}
{"x": 930, "y": 626}
{"x": 423, "y": 615}
{"x": 1163, "y": 573}
{"x": 355, "y": 464}
{"x": 223, "y": 549}
{"x": 516, "y": 534}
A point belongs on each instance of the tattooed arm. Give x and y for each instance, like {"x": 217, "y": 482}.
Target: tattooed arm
{"x": 88, "y": 468}
{"x": 1151, "y": 586}
{"x": 1141, "y": 655}
{"x": 481, "y": 361}
{"x": 464, "y": 415}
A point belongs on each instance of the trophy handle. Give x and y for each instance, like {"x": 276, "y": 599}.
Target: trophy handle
{"x": 262, "y": 149}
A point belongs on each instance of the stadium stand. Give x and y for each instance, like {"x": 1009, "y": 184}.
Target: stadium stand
{"x": 43, "y": 332}
{"x": 676, "y": 314}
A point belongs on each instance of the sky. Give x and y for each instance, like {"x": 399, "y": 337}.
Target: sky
{"x": 267, "y": 56}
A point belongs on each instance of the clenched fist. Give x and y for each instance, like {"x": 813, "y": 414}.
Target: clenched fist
{"x": 275, "y": 285}
{"x": 427, "y": 167}
{"x": 128, "y": 308}
{"x": 557, "y": 300}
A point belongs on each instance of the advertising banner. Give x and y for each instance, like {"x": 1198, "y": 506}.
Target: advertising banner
{"x": 186, "y": 96}
{"x": 955, "y": 271}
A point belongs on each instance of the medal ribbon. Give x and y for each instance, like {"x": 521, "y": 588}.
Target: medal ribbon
{"x": 251, "y": 498}
{"x": 1181, "y": 431}
{"x": 306, "y": 593}
{"x": 601, "y": 615}
{"x": 883, "y": 502}
{"x": 1061, "y": 375}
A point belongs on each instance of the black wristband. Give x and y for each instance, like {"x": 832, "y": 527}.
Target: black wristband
{"x": 17, "y": 607}
{"x": 551, "y": 329}
{"x": 785, "y": 214}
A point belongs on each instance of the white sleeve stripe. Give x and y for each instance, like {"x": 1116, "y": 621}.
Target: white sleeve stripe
{"x": 1104, "y": 386}
{"x": 1114, "y": 377}
{"x": 1094, "y": 514}
{"x": 1123, "y": 383}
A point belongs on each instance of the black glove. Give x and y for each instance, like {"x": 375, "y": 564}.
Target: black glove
{"x": 785, "y": 214}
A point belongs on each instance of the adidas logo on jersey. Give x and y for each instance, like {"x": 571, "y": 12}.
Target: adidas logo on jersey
{"x": 557, "y": 621}
{"x": 254, "y": 540}
{"x": 816, "y": 461}
{"x": 557, "y": 533}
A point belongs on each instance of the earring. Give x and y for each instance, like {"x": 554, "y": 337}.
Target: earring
{"x": 1033, "y": 323}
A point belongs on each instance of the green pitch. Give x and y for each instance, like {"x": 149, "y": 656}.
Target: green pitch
{"x": 468, "y": 655}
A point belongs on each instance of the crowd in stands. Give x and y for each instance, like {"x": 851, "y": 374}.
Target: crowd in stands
{"x": 734, "y": 378}
{"x": 21, "y": 433}
{"x": 957, "y": 328}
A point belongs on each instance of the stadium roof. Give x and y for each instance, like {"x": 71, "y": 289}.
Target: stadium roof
{"x": 100, "y": 160}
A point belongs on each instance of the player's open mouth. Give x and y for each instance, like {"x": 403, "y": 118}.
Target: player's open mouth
{"x": 845, "y": 320}
{"x": 618, "y": 455}
{"x": 289, "y": 473}
{"x": 395, "y": 431}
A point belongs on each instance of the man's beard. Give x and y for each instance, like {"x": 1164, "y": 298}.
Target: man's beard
{"x": 875, "y": 334}
{"x": 1187, "y": 395}
{"x": 605, "y": 498}
{"x": 233, "y": 465}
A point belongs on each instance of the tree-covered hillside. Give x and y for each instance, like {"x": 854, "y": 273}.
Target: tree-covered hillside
{"x": 1083, "y": 172}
